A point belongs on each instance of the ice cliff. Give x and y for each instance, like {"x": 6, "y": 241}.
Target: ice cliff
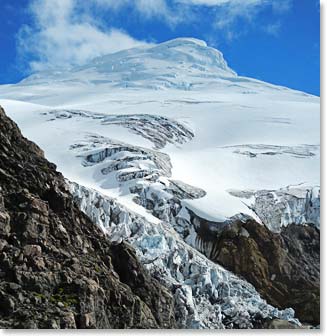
{"x": 206, "y": 295}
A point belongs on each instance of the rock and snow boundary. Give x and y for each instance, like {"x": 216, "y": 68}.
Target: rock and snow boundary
{"x": 206, "y": 295}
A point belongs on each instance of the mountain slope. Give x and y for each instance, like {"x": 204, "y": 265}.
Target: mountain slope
{"x": 182, "y": 142}
{"x": 283, "y": 267}
{"x": 58, "y": 270}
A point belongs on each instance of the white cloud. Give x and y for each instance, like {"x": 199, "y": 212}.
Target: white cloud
{"x": 278, "y": 5}
{"x": 281, "y": 6}
{"x": 221, "y": 2}
{"x": 229, "y": 11}
{"x": 147, "y": 9}
{"x": 68, "y": 32}
{"x": 62, "y": 36}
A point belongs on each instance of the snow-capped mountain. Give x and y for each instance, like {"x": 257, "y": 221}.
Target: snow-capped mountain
{"x": 181, "y": 64}
{"x": 180, "y": 97}
{"x": 176, "y": 137}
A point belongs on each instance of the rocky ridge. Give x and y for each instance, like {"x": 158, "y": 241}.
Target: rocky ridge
{"x": 57, "y": 269}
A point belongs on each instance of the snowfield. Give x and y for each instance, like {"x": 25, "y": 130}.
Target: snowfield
{"x": 170, "y": 130}
{"x": 225, "y": 131}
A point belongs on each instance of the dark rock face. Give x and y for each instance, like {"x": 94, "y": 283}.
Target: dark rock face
{"x": 57, "y": 269}
{"x": 284, "y": 268}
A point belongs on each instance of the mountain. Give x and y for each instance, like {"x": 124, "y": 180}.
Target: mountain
{"x": 58, "y": 270}
{"x": 167, "y": 148}
{"x": 238, "y": 137}
{"x": 180, "y": 63}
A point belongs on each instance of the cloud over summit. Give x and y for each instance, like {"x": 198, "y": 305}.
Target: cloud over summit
{"x": 64, "y": 33}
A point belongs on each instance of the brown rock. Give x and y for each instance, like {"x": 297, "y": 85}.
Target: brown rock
{"x": 68, "y": 321}
{"x": 64, "y": 265}
{"x": 284, "y": 268}
{"x": 32, "y": 250}
{"x": 88, "y": 321}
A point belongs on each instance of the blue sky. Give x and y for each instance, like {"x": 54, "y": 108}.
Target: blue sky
{"x": 272, "y": 40}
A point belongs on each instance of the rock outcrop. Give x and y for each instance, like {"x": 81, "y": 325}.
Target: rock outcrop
{"x": 57, "y": 268}
{"x": 284, "y": 267}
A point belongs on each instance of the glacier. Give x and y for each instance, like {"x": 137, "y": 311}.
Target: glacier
{"x": 277, "y": 208}
{"x": 206, "y": 295}
{"x": 159, "y": 140}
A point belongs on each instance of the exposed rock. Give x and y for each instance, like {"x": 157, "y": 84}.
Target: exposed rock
{"x": 32, "y": 250}
{"x": 57, "y": 268}
{"x": 284, "y": 268}
{"x": 4, "y": 220}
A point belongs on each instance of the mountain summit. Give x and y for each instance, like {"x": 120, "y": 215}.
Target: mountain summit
{"x": 181, "y": 63}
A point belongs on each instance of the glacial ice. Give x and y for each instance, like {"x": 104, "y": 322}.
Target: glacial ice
{"x": 157, "y": 129}
{"x": 253, "y": 151}
{"x": 122, "y": 161}
{"x": 206, "y": 295}
{"x": 277, "y": 208}
{"x": 150, "y": 172}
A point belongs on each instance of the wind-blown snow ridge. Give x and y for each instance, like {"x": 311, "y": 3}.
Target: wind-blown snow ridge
{"x": 206, "y": 295}
{"x": 185, "y": 40}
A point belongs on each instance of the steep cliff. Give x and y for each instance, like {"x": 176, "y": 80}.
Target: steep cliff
{"x": 57, "y": 269}
{"x": 284, "y": 267}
